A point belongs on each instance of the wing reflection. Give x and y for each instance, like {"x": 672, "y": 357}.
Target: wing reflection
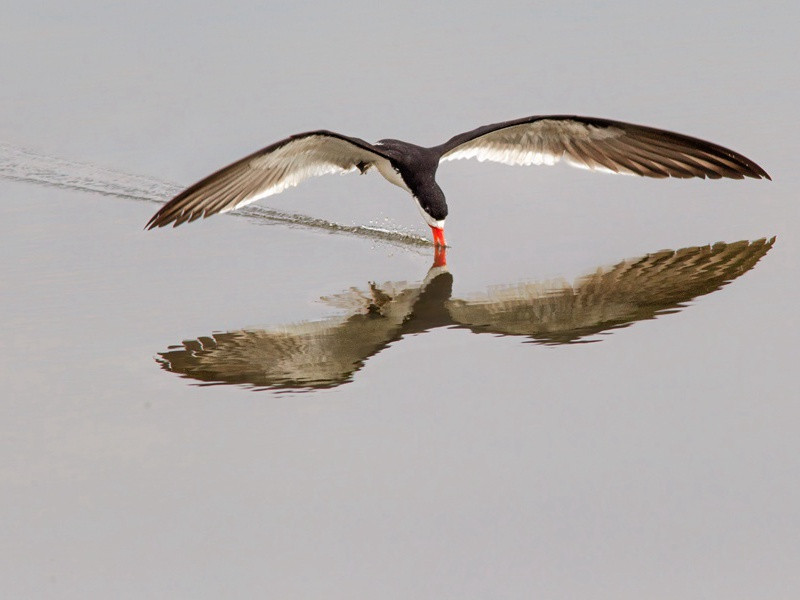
{"x": 312, "y": 354}
{"x": 327, "y": 353}
{"x": 633, "y": 290}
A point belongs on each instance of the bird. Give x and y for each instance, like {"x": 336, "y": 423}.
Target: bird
{"x": 586, "y": 142}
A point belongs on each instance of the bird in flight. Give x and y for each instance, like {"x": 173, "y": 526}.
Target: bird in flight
{"x": 586, "y": 142}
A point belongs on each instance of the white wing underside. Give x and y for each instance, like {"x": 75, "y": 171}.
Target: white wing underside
{"x": 610, "y": 146}
{"x": 303, "y": 159}
{"x": 543, "y": 142}
{"x": 268, "y": 172}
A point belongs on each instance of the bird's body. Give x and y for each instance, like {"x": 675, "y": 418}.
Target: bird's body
{"x": 590, "y": 143}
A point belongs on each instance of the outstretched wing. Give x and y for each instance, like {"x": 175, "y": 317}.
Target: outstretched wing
{"x": 602, "y": 145}
{"x": 267, "y": 172}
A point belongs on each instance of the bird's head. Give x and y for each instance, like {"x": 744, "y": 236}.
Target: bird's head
{"x": 433, "y": 207}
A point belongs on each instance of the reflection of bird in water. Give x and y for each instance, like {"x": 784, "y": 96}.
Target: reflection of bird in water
{"x": 586, "y": 142}
{"x": 308, "y": 354}
{"x": 326, "y": 353}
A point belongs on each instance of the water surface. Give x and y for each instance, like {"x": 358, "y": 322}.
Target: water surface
{"x": 596, "y": 399}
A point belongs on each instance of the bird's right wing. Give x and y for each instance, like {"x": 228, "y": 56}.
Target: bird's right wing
{"x": 267, "y": 172}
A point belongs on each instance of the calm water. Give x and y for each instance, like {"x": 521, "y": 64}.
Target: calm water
{"x": 596, "y": 398}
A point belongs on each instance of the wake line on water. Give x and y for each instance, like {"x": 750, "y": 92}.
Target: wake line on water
{"x": 19, "y": 164}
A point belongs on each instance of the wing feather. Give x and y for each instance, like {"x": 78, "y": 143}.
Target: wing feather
{"x": 266, "y": 172}
{"x": 601, "y": 145}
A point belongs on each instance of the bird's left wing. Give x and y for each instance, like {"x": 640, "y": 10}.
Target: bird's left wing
{"x": 268, "y": 171}
{"x": 602, "y": 145}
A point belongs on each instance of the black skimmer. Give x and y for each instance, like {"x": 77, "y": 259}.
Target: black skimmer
{"x": 589, "y": 143}
{"x": 327, "y": 353}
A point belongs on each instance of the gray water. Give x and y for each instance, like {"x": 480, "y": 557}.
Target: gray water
{"x": 597, "y": 397}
